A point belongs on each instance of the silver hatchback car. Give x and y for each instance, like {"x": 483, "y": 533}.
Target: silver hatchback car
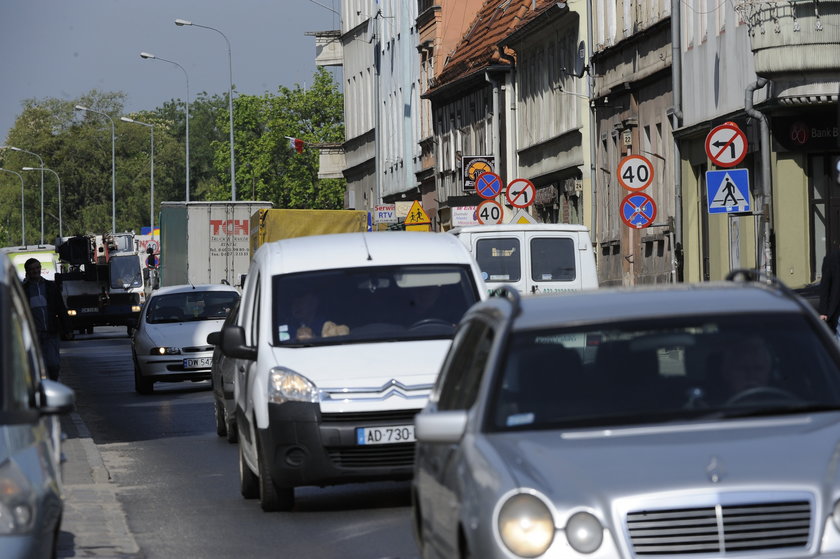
{"x": 687, "y": 420}
{"x": 30, "y": 479}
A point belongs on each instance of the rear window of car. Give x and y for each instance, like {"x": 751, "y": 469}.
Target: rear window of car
{"x": 664, "y": 370}
{"x": 355, "y": 305}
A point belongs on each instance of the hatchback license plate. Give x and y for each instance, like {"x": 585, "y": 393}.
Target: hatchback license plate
{"x": 198, "y": 363}
{"x": 385, "y": 435}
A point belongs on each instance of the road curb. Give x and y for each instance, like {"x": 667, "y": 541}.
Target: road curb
{"x": 94, "y": 522}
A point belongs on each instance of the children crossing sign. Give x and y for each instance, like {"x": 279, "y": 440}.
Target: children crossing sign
{"x": 728, "y": 191}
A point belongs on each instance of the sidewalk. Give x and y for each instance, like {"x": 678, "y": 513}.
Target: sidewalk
{"x": 94, "y": 523}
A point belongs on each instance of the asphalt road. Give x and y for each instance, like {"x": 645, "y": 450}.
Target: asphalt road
{"x": 178, "y": 482}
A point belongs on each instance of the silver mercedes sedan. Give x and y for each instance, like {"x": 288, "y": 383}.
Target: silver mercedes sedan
{"x": 685, "y": 421}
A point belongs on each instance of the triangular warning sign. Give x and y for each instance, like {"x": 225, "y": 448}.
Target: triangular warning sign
{"x": 729, "y": 197}
{"x": 417, "y": 215}
{"x": 521, "y": 217}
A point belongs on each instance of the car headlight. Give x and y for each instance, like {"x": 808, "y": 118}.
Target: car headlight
{"x": 526, "y": 525}
{"x": 584, "y": 532}
{"x": 17, "y": 500}
{"x": 165, "y": 351}
{"x": 285, "y": 385}
{"x": 71, "y": 312}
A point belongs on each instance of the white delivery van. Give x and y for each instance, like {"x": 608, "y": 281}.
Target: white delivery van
{"x": 533, "y": 258}
{"x": 340, "y": 339}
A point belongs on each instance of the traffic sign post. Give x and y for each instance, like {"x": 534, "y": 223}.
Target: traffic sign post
{"x": 488, "y": 185}
{"x": 635, "y": 172}
{"x": 521, "y": 193}
{"x": 726, "y": 145}
{"x": 489, "y": 212}
{"x": 638, "y": 210}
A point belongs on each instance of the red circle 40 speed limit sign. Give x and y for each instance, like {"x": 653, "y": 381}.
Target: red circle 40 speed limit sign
{"x": 489, "y": 212}
{"x": 635, "y": 172}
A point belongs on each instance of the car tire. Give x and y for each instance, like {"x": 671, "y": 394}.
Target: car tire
{"x": 249, "y": 484}
{"x": 272, "y": 497}
{"x": 142, "y": 385}
{"x": 221, "y": 422}
{"x": 232, "y": 431}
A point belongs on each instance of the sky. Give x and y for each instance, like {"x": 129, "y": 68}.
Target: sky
{"x": 65, "y": 48}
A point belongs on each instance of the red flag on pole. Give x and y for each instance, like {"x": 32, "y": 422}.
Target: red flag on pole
{"x": 296, "y": 144}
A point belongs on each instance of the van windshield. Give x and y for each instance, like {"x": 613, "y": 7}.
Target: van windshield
{"x": 370, "y": 304}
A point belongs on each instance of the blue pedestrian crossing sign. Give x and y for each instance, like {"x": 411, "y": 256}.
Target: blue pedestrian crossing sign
{"x": 728, "y": 191}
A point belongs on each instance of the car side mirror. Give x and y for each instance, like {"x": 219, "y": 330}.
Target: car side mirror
{"x": 233, "y": 343}
{"x": 213, "y": 338}
{"x": 55, "y": 398}
{"x": 440, "y": 427}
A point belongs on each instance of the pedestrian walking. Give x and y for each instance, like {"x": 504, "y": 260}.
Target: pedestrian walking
{"x": 48, "y": 311}
{"x": 829, "y": 307}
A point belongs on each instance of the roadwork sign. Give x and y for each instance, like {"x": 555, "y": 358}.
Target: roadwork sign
{"x": 728, "y": 191}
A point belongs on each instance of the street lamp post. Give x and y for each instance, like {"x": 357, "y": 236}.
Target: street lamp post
{"x": 152, "y": 171}
{"x": 22, "y": 215}
{"x": 149, "y": 56}
{"x": 113, "y": 167}
{"x": 41, "y": 161}
{"x": 58, "y": 181}
{"x": 182, "y": 22}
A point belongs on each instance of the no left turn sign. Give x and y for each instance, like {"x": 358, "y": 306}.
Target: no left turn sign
{"x": 521, "y": 193}
{"x": 726, "y": 145}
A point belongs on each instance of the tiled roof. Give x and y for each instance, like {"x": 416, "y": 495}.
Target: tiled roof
{"x": 478, "y": 48}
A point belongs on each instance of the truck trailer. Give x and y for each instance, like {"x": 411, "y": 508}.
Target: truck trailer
{"x": 277, "y": 224}
{"x": 205, "y": 242}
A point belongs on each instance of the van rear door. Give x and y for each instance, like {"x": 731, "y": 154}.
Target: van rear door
{"x": 552, "y": 262}
{"x": 500, "y": 258}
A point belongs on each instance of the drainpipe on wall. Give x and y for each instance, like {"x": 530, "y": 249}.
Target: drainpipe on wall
{"x": 497, "y": 142}
{"x": 593, "y": 130}
{"x": 765, "y": 256}
{"x": 676, "y": 122}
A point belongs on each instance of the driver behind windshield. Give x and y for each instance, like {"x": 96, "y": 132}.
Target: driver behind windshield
{"x": 746, "y": 364}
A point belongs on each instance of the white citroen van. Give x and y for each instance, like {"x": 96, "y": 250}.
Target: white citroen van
{"x": 533, "y": 258}
{"x": 341, "y": 338}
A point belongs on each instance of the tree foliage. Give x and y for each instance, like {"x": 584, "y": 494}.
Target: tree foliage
{"x": 77, "y": 146}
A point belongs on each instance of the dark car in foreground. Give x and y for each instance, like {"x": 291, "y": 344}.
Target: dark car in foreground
{"x": 672, "y": 421}
{"x": 31, "y": 503}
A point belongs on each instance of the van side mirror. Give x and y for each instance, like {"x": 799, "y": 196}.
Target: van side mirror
{"x": 233, "y": 343}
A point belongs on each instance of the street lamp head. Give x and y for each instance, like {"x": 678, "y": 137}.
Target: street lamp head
{"x": 81, "y": 108}
{"x": 147, "y": 55}
{"x": 30, "y": 169}
{"x": 181, "y": 22}
{"x": 126, "y": 119}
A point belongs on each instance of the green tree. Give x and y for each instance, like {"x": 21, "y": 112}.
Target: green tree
{"x": 267, "y": 167}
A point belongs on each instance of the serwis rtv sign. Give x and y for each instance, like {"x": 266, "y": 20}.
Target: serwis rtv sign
{"x": 385, "y": 213}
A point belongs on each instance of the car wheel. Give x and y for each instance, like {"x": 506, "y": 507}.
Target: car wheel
{"x": 142, "y": 385}
{"x": 232, "y": 432}
{"x": 221, "y": 422}
{"x": 272, "y": 497}
{"x": 248, "y": 482}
